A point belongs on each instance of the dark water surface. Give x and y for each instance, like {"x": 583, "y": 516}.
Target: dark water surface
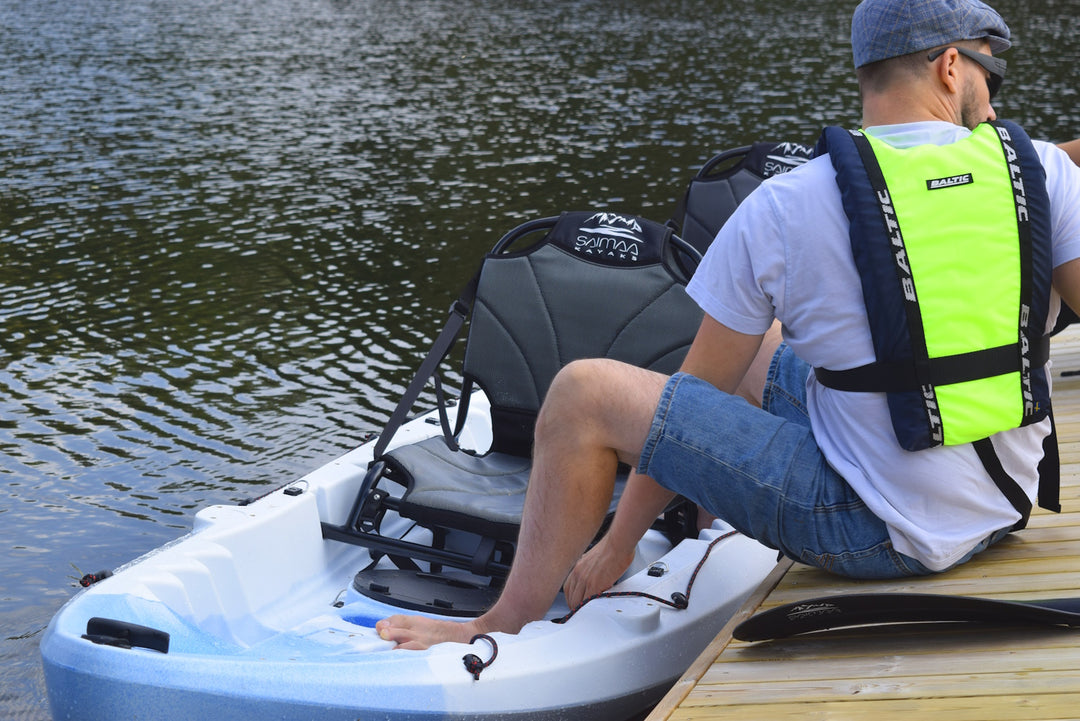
{"x": 229, "y": 229}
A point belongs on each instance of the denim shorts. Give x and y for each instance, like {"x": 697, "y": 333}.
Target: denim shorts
{"x": 761, "y": 470}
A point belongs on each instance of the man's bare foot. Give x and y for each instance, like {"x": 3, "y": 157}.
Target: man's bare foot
{"x": 419, "y": 632}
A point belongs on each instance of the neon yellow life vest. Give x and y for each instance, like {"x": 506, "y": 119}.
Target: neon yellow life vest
{"x": 953, "y": 248}
{"x": 955, "y": 283}
{"x": 956, "y": 207}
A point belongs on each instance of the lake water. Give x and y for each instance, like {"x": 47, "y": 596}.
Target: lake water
{"x": 228, "y": 230}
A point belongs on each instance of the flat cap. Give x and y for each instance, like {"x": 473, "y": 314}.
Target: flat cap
{"x": 882, "y": 29}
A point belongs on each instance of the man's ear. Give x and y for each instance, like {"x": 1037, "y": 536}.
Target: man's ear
{"x": 947, "y": 70}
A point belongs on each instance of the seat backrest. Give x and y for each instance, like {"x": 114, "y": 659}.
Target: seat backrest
{"x": 597, "y": 285}
{"x": 725, "y": 181}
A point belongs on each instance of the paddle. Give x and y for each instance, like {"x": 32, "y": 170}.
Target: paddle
{"x": 860, "y": 609}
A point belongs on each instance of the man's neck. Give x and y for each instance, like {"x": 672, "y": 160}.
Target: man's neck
{"x": 895, "y": 108}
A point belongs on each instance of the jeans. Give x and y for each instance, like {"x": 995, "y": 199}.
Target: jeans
{"x": 761, "y": 470}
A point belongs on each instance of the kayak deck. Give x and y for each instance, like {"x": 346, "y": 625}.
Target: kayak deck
{"x": 956, "y": 671}
{"x": 255, "y": 614}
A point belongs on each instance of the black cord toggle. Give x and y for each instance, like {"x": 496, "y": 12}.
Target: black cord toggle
{"x": 473, "y": 663}
{"x": 91, "y": 578}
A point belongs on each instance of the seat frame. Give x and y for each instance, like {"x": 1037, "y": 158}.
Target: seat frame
{"x": 494, "y": 545}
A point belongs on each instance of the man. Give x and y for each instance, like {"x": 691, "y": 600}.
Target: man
{"x": 746, "y": 429}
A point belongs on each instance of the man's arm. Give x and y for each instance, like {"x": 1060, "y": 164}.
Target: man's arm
{"x": 1067, "y": 276}
{"x": 1073, "y": 149}
{"x": 720, "y": 355}
{"x": 1067, "y": 282}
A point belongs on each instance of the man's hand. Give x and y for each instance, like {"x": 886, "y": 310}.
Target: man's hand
{"x": 596, "y": 571}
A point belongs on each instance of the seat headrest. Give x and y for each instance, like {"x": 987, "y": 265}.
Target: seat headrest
{"x": 610, "y": 238}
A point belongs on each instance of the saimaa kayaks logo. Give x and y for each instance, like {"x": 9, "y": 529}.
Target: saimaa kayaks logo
{"x": 786, "y": 157}
{"x": 610, "y": 236}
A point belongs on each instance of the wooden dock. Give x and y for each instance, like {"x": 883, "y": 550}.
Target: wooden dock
{"x": 939, "y": 671}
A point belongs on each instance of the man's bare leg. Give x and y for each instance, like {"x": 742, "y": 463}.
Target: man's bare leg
{"x": 597, "y": 412}
{"x": 606, "y": 562}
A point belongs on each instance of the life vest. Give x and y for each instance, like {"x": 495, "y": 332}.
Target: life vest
{"x": 953, "y": 248}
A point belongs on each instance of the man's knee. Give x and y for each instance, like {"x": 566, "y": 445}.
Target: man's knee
{"x": 572, "y": 410}
{"x": 576, "y": 388}
{"x": 603, "y": 399}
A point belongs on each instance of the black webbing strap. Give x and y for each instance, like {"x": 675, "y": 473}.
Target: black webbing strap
{"x": 1049, "y": 476}
{"x": 1005, "y": 483}
{"x": 459, "y": 311}
{"x": 899, "y": 376}
{"x": 1050, "y": 470}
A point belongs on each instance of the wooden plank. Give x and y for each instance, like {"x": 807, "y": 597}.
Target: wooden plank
{"x": 1036, "y": 578}
{"x": 854, "y": 657}
{"x": 1028, "y": 706}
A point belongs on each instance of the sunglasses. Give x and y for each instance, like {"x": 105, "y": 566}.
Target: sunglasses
{"x": 994, "y": 66}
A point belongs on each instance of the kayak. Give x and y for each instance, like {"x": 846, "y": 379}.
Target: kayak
{"x": 267, "y": 610}
{"x": 257, "y": 614}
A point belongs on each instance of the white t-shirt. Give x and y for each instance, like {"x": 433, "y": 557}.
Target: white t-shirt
{"x": 785, "y": 253}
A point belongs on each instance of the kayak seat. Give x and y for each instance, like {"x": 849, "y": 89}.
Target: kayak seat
{"x": 450, "y": 488}
{"x": 725, "y": 181}
{"x": 594, "y": 284}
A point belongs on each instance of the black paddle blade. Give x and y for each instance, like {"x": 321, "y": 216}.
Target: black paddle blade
{"x": 844, "y": 611}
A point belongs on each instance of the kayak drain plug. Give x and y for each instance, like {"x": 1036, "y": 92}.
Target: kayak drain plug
{"x": 473, "y": 663}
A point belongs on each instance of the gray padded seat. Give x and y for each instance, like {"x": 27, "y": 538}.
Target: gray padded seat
{"x": 725, "y": 181}
{"x": 487, "y": 490}
{"x": 482, "y": 493}
{"x": 597, "y": 285}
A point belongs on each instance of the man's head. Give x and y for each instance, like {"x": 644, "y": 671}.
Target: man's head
{"x": 884, "y": 29}
{"x": 928, "y": 59}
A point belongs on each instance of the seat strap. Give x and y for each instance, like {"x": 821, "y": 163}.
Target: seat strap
{"x": 442, "y": 346}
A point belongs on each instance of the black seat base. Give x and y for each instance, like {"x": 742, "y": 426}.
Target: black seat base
{"x": 419, "y": 591}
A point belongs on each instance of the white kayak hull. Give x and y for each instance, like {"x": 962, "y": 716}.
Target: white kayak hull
{"x": 263, "y": 622}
